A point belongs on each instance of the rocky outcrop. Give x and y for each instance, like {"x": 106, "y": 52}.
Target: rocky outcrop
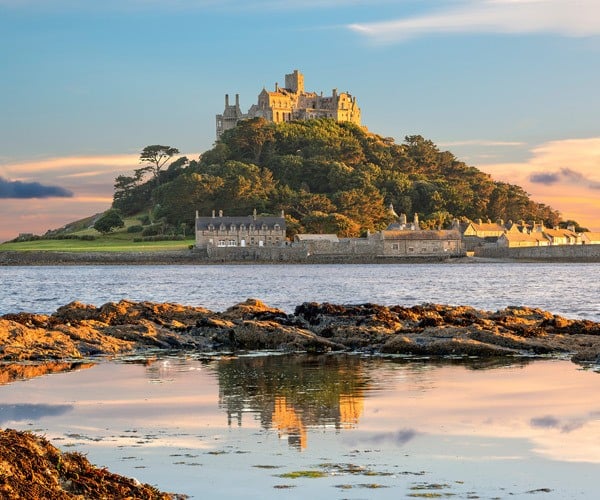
{"x": 30, "y": 467}
{"x": 78, "y": 331}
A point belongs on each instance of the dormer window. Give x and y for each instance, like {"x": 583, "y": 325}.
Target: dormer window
{"x": 232, "y": 227}
{"x": 276, "y": 227}
{"x": 242, "y": 227}
{"x": 222, "y": 227}
{"x": 211, "y": 227}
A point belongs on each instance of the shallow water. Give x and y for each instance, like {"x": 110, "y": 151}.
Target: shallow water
{"x": 368, "y": 428}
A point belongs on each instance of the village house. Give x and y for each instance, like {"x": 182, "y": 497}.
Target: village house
{"x": 291, "y": 102}
{"x": 418, "y": 242}
{"x": 590, "y": 238}
{"x": 239, "y": 231}
{"x": 515, "y": 239}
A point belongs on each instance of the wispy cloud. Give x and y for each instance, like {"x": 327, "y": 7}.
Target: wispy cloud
{"x": 26, "y": 190}
{"x": 570, "y": 18}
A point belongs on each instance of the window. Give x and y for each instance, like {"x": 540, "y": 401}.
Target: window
{"x": 221, "y": 243}
{"x": 395, "y": 246}
{"x": 276, "y": 227}
{"x": 232, "y": 227}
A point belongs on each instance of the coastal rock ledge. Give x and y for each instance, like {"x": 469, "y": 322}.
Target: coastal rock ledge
{"x": 79, "y": 331}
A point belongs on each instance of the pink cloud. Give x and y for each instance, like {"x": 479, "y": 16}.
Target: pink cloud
{"x": 564, "y": 174}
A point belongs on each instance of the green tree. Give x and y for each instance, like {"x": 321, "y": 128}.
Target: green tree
{"x": 111, "y": 219}
{"x": 156, "y": 157}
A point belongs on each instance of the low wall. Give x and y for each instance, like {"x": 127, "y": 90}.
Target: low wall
{"x": 580, "y": 253}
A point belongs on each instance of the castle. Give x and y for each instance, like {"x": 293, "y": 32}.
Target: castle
{"x": 291, "y": 102}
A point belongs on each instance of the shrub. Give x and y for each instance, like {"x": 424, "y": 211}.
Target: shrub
{"x": 152, "y": 230}
{"x": 135, "y": 229}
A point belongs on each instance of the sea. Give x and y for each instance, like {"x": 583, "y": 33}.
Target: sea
{"x": 267, "y": 425}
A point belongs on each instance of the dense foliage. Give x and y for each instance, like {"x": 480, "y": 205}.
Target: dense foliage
{"x": 327, "y": 177}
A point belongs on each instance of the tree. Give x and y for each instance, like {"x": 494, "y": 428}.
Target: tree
{"x": 156, "y": 157}
{"x": 110, "y": 220}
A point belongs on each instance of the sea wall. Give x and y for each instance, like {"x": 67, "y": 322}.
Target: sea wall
{"x": 579, "y": 253}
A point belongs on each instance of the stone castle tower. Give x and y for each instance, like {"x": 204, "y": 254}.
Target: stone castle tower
{"x": 291, "y": 102}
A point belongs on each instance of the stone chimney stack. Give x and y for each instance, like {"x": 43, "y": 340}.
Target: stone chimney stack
{"x": 220, "y": 213}
{"x": 213, "y": 214}
{"x": 226, "y": 100}
{"x": 237, "y": 100}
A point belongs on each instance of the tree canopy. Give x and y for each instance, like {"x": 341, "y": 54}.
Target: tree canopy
{"x": 326, "y": 175}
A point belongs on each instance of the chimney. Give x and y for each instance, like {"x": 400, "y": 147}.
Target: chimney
{"x": 213, "y": 214}
{"x": 220, "y": 213}
{"x": 237, "y": 100}
{"x": 226, "y": 100}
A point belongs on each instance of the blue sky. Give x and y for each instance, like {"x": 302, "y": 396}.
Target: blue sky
{"x": 509, "y": 86}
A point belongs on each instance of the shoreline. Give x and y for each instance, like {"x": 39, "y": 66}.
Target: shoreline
{"x": 189, "y": 257}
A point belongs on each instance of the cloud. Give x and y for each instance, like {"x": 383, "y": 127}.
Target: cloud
{"x": 571, "y": 190}
{"x": 24, "y": 190}
{"x": 564, "y": 175}
{"x": 570, "y": 18}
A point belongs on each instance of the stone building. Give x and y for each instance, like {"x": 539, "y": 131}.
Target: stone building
{"x": 417, "y": 242}
{"x": 291, "y": 102}
{"x": 250, "y": 231}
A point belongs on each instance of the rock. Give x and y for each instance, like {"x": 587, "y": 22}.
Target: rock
{"x": 251, "y": 309}
{"x": 77, "y": 330}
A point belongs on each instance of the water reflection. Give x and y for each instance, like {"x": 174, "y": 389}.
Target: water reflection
{"x": 291, "y": 393}
{"x": 20, "y": 412}
{"x": 11, "y": 372}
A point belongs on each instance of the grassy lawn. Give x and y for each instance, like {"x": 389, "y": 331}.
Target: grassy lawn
{"x": 104, "y": 244}
{"x": 120, "y": 240}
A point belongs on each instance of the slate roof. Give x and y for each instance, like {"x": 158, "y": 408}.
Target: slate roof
{"x": 203, "y": 223}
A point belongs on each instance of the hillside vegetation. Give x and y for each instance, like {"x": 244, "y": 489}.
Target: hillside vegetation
{"x": 327, "y": 177}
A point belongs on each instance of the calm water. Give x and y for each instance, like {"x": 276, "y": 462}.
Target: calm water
{"x": 572, "y": 290}
{"x": 372, "y": 428}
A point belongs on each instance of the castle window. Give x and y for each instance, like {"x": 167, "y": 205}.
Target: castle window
{"x": 221, "y": 243}
{"x": 222, "y": 227}
{"x": 252, "y": 227}
{"x": 232, "y": 227}
{"x": 242, "y": 227}
{"x": 276, "y": 227}
{"x": 211, "y": 227}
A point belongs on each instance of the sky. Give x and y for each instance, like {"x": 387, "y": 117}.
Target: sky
{"x": 509, "y": 86}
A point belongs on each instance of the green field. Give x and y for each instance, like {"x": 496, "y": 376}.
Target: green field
{"x": 104, "y": 244}
{"x": 116, "y": 241}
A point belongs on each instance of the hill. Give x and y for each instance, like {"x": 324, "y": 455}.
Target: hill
{"x": 327, "y": 177}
